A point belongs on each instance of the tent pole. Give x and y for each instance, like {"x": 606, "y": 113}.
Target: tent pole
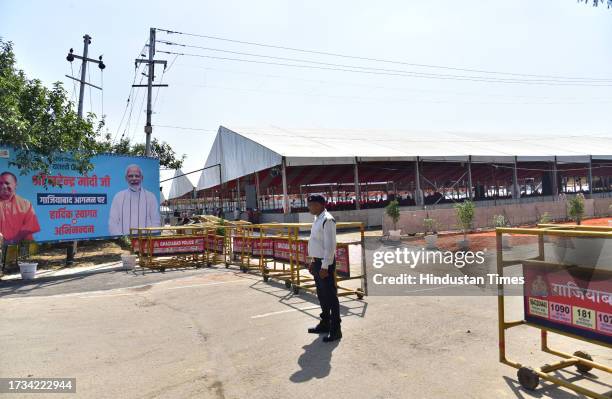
{"x": 470, "y": 191}
{"x": 238, "y": 193}
{"x": 286, "y": 209}
{"x": 591, "y": 175}
{"x": 257, "y": 193}
{"x": 418, "y": 195}
{"x": 357, "y": 190}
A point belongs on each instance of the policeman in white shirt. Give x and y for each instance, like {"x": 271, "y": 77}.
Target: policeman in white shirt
{"x": 322, "y": 251}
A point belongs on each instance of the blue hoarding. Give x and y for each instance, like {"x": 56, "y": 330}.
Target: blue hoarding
{"x": 119, "y": 193}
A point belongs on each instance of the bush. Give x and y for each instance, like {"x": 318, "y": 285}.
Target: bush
{"x": 392, "y": 210}
{"x": 575, "y": 208}
{"x": 500, "y": 221}
{"x": 545, "y": 218}
{"x": 431, "y": 225}
{"x": 465, "y": 216}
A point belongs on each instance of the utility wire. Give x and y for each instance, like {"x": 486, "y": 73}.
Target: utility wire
{"x": 424, "y": 74}
{"x": 374, "y": 72}
{"x": 186, "y": 128}
{"x": 411, "y": 100}
{"x": 127, "y": 104}
{"x": 397, "y": 88}
{"x": 376, "y": 59}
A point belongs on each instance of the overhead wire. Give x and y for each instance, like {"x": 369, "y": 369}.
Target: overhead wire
{"x": 377, "y": 71}
{"x": 373, "y": 59}
{"x": 421, "y": 74}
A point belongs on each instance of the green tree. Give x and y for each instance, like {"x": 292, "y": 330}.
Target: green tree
{"x": 159, "y": 149}
{"x": 575, "y": 208}
{"x": 393, "y": 212}
{"x": 465, "y": 216}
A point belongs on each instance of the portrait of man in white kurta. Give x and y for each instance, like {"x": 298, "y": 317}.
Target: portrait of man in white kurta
{"x": 134, "y": 206}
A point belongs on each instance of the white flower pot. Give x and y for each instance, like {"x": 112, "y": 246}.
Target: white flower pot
{"x": 395, "y": 235}
{"x": 129, "y": 261}
{"x": 28, "y": 270}
{"x": 431, "y": 241}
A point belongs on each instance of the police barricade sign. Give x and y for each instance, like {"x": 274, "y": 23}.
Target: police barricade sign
{"x": 578, "y": 302}
{"x": 169, "y": 246}
{"x": 120, "y": 193}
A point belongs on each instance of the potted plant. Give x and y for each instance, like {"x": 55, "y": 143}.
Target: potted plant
{"x": 25, "y": 248}
{"x": 392, "y": 210}
{"x": 500, "y": 221}
{"x": 584, "y": 252}
{"x": 575, "y": 208}
{"x": 465, "y": 217}
{"x": 431, "y": 233}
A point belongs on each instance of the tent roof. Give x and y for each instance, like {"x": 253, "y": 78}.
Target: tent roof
{"x": 243, "y": 150}
{"x": 180, "y": 185}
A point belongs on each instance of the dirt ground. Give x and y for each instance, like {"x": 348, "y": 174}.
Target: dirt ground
{"x": 482, "y": 240}
{"x": 89, "y": 253}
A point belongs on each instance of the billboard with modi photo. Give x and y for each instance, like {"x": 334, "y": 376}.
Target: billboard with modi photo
{"x": 64, "y": 205}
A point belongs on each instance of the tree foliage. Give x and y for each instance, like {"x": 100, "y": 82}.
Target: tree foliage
{"x": 596, "y": 3}
{"x": 465, "y": 215}
{"x": 41, "y": 124}
{"x": 159, "y": 149}
{"x": 393, "y": 211}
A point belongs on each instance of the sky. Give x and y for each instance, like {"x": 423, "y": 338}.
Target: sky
{"x": 544, "y": 37}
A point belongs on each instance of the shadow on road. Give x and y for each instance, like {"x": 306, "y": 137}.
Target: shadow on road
{"x": 348, "y": 306}
{"x": 315, "y": 362}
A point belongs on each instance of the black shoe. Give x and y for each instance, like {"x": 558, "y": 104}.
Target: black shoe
{"x": 333, "y": 336}
{"x": 319, "y": 329}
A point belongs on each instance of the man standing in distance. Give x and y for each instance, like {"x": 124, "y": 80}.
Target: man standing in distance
{"x": 17, "y": 218}
{"x": 134, "y": 206}
{"x": 322, "y": 250}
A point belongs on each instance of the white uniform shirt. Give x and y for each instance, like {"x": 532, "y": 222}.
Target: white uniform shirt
{"x": 322, "y": 242}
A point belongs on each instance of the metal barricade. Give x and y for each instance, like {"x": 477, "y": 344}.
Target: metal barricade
{"x": 567, "y": 299}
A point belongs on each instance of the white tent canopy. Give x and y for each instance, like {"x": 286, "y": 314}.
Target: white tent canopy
{"x": 181, "y": 185}
{"x": 237, "y": 152}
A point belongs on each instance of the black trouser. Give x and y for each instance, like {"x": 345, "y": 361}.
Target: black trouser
{"x": 327, "y": 292}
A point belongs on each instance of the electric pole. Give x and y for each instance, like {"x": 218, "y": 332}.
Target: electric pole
{"x": 71, "y": 250}
{"x": 150, "y": 78}
{"x": 70, "y": 57}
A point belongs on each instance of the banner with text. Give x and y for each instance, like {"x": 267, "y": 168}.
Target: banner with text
{"x": 119, "y": 193}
